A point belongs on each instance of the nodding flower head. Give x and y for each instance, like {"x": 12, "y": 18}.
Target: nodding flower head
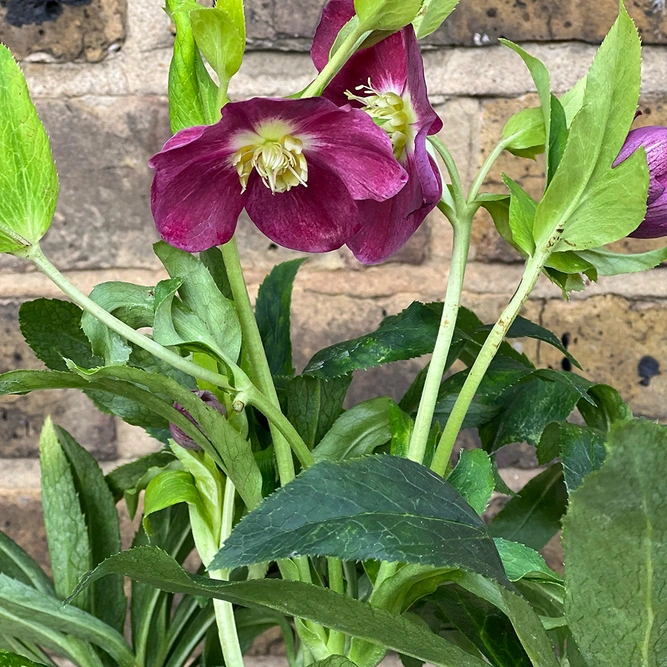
{"x": 387, "y": 82}
{"x": 654, "y": 141}
{"x": 298, "y": 167}
{"x": 179, "y": 436}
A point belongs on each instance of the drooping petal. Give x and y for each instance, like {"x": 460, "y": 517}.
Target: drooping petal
{"x": 388, "y": 226}
{"x": 357, "y": 151}
{"x": 317, "y": 218}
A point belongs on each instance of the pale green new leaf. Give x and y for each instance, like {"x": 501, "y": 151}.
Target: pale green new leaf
{"x": 615, "y": 558}
{"x": 522, "y": 216}
{"x": 66, "y": 529}
{"x": 608, "y": 263}
{"x": 386, "y": 14}
{"x": 337, "y": 612}
{"x": 358, "y": 431}
{"x": 522, "y": 562}
{"x": 473, "y": 478}
{"x": 28, "y": 178}
{"x": 589, "y": 204}
{"x": 432, "y": 15}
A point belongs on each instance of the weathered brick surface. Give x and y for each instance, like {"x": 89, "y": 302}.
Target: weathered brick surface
{"x": 63, "y": 30}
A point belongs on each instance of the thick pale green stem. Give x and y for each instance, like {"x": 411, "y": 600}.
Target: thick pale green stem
{"x": 486, "y": 168}
{"x": 484, "y": 359}
{"x": 436, "y": 368}
{"x": 252, "y": 340}
{"x": 452, "y": 170}
{"x": 336, "y": 643}
{"x": 336, "y": 62}
{"x": 224, "y": 611}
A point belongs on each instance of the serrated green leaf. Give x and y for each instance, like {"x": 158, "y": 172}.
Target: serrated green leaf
{"x": 320, "y": 605}
{"x": 313, "y": 405}
{"x": 432, "y": 15}
{"x": 401, "y": 426}
{"x": 580, "y": 448}
{"x": 386, "y": 14}
{"x": 482, "y": 623}
{"x": 200, "y": 294}
{"x": 28, "y": 178}
{"x": 376, "y": 507}
{"x": 533, "y": 516}
{"x": 608, "y": 263}
{"x": 212, "y": 260}
{"x": 588, "y": 203}
{"x": 473, "y": 478}
{"x": 108, "y": 600}
{"x": 272, "y": 311}
{"x": 558, "y": 135}
{"x": 522, "y": 562}
{"x": 616, "y": 573}
{"x": 358, "y": 431}
{"x": 608, "y": 408}
{"x": 125, "y": 478}
{"x": 53, "y": 330}
{"x": 133, "y": 304}
{"x": 66, "y": 529}
{"x": 26, "y": 602}
{"x": 19, "y": 565}
{"x": 524, "y": 133}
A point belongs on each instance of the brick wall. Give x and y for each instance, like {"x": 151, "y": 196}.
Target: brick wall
{"x": 98, "y": 70}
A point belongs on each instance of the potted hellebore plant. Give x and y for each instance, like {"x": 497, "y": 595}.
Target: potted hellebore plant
{"x": 350, "y": 530}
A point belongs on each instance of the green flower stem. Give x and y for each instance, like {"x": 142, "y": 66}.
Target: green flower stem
{"x": 35, "y": 255}
{"x": 484, "y": 359}
{"x": 224, "y": 611}
{"x": 486, "y": 168}
{"x": 336, "y": 643}
{"x": 259, "y": 363}
{"x": 336, "y": 62}
{"x": 452, "y": 170}
{"x": 424, "y": 419}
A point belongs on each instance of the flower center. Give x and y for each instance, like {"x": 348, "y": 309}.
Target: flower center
{"x": 390, "y": 111}
{"x": 280, "y": 163}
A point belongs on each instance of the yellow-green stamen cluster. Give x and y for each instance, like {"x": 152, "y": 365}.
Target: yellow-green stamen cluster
{"x": 280, "y": 164}
{"x": 389, "y": 111}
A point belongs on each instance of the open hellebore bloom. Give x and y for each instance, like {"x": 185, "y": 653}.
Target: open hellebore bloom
{"x": 179, "y": 435}
{"x": 654, "y": 141}
{"x": 297, "y": 166}
{"x": 387, "y": 81}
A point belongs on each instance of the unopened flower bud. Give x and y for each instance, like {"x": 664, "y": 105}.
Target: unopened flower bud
{"x": 179, "y": 435}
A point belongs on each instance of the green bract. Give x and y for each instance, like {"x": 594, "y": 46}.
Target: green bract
{"x": 386, "y": 14}
{"x": 28, "y": 178}
{"x": 432, "y": 15}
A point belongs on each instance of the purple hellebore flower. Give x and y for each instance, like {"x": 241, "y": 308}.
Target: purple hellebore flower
{"x": 297, "y": 166}
{"x": 654, "y": 141}
{"x": 180, "y": 436}
{"x": 387, "y": 81}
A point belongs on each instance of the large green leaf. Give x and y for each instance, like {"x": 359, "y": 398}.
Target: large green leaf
{"x": 8, "y": 659}
{"x": 52, "y": 328}
{"x": 313, "y": 405}
{"x": 272, "y": 311}
{"x": 338, "y": 612}
{"x": 588, "y": 203}
{"x": 615, "y": 559}
{"x": 533, "y": 516}
{"x": 377, "y": 507}
{"x": 358, "y": 431}
{"x": 66, "y": 529}
{"x": 126, "y": 477}
{"x": 107, "y": 598}
{"x": 608, "y": 263}
{"x": 432, "y": 15}
{"x": 26, "y": 602}
{"x": 28, "y": 178}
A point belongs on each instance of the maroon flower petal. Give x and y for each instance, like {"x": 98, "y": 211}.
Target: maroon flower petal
{"x": 335, "y": 15}
{"x": 317, "y": 218}
{"x": 389, "y": 225}
{"x": 654, "y": 224}
{"x": 179, "y": 436}
{"x": 357, "y": 151}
